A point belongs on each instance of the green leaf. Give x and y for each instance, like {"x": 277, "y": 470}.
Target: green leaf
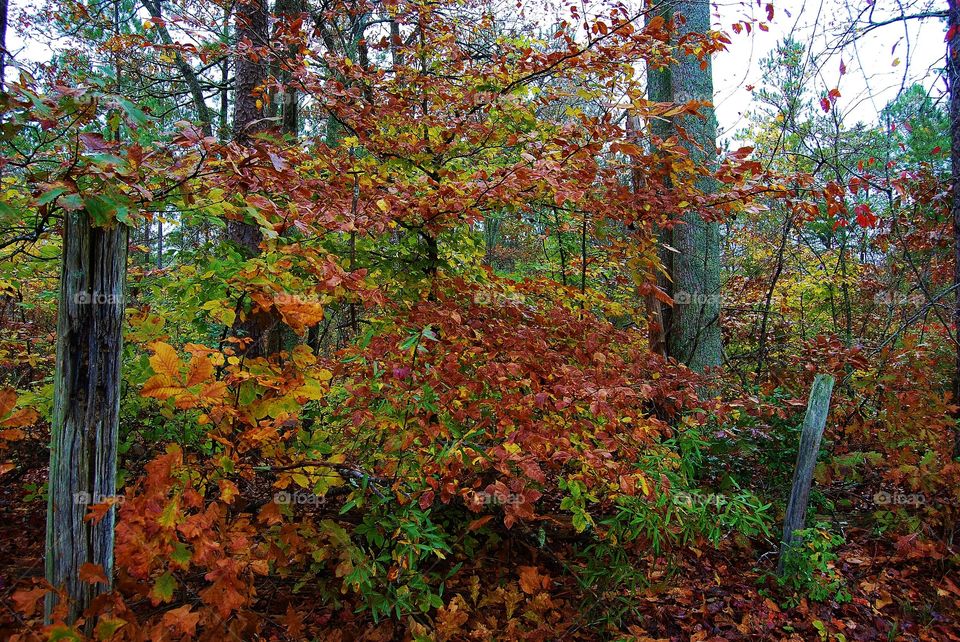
{"x": 181, "y": 554}
{"x": 101, "y": 209}
{"x": 63, "y": 632}
{"x": 50, "y": 195}
{"x": 133, "y": 112}
{"x": 108, "y": 626}
{"x": 164, "y": 588}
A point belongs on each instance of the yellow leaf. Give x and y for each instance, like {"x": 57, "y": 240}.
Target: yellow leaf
{"x": 160, "y": 387}
{"x": 312, "y": 389}
{"x": 165, "y": 360}
{"x": 644, "y": 485}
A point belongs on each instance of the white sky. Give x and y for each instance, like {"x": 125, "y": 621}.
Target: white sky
{"x": 872, "y": 78}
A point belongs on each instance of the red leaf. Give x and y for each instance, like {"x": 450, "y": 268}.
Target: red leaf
{"x": 426, "y": 500}
{"x": 865, "y": 217}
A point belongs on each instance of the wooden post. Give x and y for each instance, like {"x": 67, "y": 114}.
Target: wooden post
{"x": 813, "y": 424}
{"x": 86, "y": 408}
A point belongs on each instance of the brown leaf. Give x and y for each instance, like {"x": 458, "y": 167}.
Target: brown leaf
{"x": 532, "y": 581}
{"x": 93, "y": 574}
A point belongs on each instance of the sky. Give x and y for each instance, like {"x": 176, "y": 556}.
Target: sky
{"x": 885, "y": 60}
{"x": 877, "y": 66}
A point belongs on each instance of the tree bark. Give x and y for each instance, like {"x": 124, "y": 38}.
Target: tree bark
{"x": 4, "y": 7}
{"x": 693, "y": 325}
{"x": 288, "y": 10}
{"x": 251, "y": 70}
{"x": 248, "y": 119}
{"x": 83, "y": 450}
{"x": 953, "y": 81}
{"x": 656, "y": 329}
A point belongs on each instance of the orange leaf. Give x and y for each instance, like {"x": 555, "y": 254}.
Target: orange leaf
{"x": 8, "y": 399}
{"x": 160, "y": 387}
{"x": 200, "y": 370}
{"x": 294, "y": 622}
{"x": 165, "y": 360}
{"x": 531, "y": 581}
{"x": 21, "y": 418}
{"x": 478, "y": 523}
{"x": 181, "y": 618}
{"x": 26, "y": 601}
{"x": 93, "y": 574}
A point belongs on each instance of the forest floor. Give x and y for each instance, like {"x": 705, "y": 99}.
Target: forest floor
{"x": 898, "y": 590}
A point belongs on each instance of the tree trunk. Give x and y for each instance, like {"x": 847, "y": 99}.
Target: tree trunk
{"x": 83, "y": 450}
{"x": 953, "y": 80}
{"x": 656, "y": 330}
{"x": 818, "y": 407}
{"x": 248, "y": 119}
{"x": 693, "y": 325}
{"x": 287, "y": 11}
{"x": 251, "y": 70}
{"x": 4, "y": 6}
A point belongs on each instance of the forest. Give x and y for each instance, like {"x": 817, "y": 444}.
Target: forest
{"x": 443, "y": 320}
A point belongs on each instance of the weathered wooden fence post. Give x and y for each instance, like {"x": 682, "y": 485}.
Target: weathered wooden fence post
{"x": 86, "y": 409}
{"x": 813, "y": 424}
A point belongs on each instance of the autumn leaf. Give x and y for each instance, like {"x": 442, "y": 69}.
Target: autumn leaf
{"x": 531, "y": 581}
{"x": 293, "y": 621}
{"x": 182, "y": 619}
{"x": 8, "y": 399}
{"x": 201, "y": 368}
{"x": 163, "y": 589}
{"x": 165, "y": 360}
{"x": 26, "y": 600}
{"x": 108, "y": 626}
{"x": 93, "y": 574}
{"x": 21, "y": 418}
{"x": 160, "y": 387}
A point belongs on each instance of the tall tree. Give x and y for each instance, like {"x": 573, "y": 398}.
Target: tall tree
{"x": 4, "y": 7}
{"x": 953, "y": 81}
{"x": 248, "y": 119}
{"x": 693, "y": 256}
